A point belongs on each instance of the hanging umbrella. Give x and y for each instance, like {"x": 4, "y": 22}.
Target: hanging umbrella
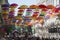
{"x": 5, "y": 5}
{"x": 43, "y": 13}
{"x": 35, "y": 14}
{"x": 58, "y": 8}
{"x": 36, "y": 10}
{"x": 50, "y": 6}
{"x": 55, "y": 10}
{"x": 19, "y": 18}
{"x": 33, "y": 6}
{"x": 47, "y": 16}
{"x": 42, "y": 6}
{"x": 20, "y": 11}
{"x": 5, "y": 8}
{"x": 28, "y": 12}
{"x": 14, "y": 5}
{"x": 23, "y": 7}
{"x": 44, "y": 9}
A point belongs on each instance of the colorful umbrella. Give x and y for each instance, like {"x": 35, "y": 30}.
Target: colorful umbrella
{"x": 23, "y": 7}
{"x": 47, "y": 16}
{"x": 55, "y": 10}
{"x": 5, "y": 8}
{"x": 42, "y": 6}
{"x": 35, "y": 14}
{"x": 28, "y": 12}
{"x": 44, "y": 9}
{"x": 58, "y": 8}
{"x": 36, "y": 10}
{"x": 14, "y": 5}
{"x": 19, "y": 18}
{"x": 43, "y": 13}
{"x": 5, "y": 5}
{"x": 33, "y": 6}
{"x": 40, "y": 19}
{"x": 20, "y": 11}
{"x": 50, "y": 6}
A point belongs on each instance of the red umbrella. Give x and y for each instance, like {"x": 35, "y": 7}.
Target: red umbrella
{"x": 13, "y": 4}
{"x": 55, "y": 10}
{"x": 21, "y": 10}
{"x": 42, "y": 6}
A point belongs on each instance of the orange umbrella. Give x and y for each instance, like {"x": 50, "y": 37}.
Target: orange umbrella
{"x": 23, "y": 7}
{"x": 50, "y": 6}
{"x": 33, "y": 6}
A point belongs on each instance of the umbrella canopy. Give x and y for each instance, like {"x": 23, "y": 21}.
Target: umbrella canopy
{"x": 23, "y": 7}
{"x": 50, "y": 6}
{"x": 33, "y": 6}
{"x": 5, "y": 5}
{"x": 55, "y": 10}
{"x": 43, "y": 13}
{"x": 36, "y": 10}
{"x": 21, "y": 10}
{"x": 44, "y": 9}
{"x": 5, "y": 8}
{"x": 58, "y": 8}
{"x": 28, "y": 12}
{"x": 35, "y": 14}
{"x": 42, "y": 6}
{"x": 19, "y": 18}
{"x": 14, "y": 5}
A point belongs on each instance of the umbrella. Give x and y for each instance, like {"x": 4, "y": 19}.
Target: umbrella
{"x": 18, "y": 18}
{"x": 47, "y": 16}
{"x": 23, "y": 7}
{"x": 43, "y": 13}
{"x": 5, "y": 12}
{"x": 5, "y": 8}
{"x": 44, "y": 9}
{"x": 28, "y": 12}
{"x": 20, "y": 10}
{"x": 50, "y": 6}
{"x": 42, "y": 6}
{"x": 14, "y": 5}
{"x": 36, "y": 10}
{"x": 33, "y": 6}
{"x": 5, "y": 5}
{"x": 55, "y": 10}
{"x": 35, "y": 14}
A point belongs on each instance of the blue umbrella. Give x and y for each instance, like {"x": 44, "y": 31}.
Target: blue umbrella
{"x": 5, "y": 5}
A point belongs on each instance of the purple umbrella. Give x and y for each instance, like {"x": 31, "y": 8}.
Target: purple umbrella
{"x": 5, "y": 8}
{"x": 58, "y": 8}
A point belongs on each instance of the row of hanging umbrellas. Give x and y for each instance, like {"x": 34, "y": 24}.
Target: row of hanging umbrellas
{"x": 35, "y": 6}
{"x": 32, "y": 6}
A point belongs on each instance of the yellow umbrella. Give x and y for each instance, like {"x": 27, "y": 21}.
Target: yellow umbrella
{"x": 23, "y": 7}
{"x": 19, "y": 18}
{"x": 36, "y": 10}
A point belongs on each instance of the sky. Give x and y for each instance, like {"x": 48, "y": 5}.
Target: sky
{"x": 23, "y": 2}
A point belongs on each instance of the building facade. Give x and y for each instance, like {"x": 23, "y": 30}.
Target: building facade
{"x": 48, "y": 2}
